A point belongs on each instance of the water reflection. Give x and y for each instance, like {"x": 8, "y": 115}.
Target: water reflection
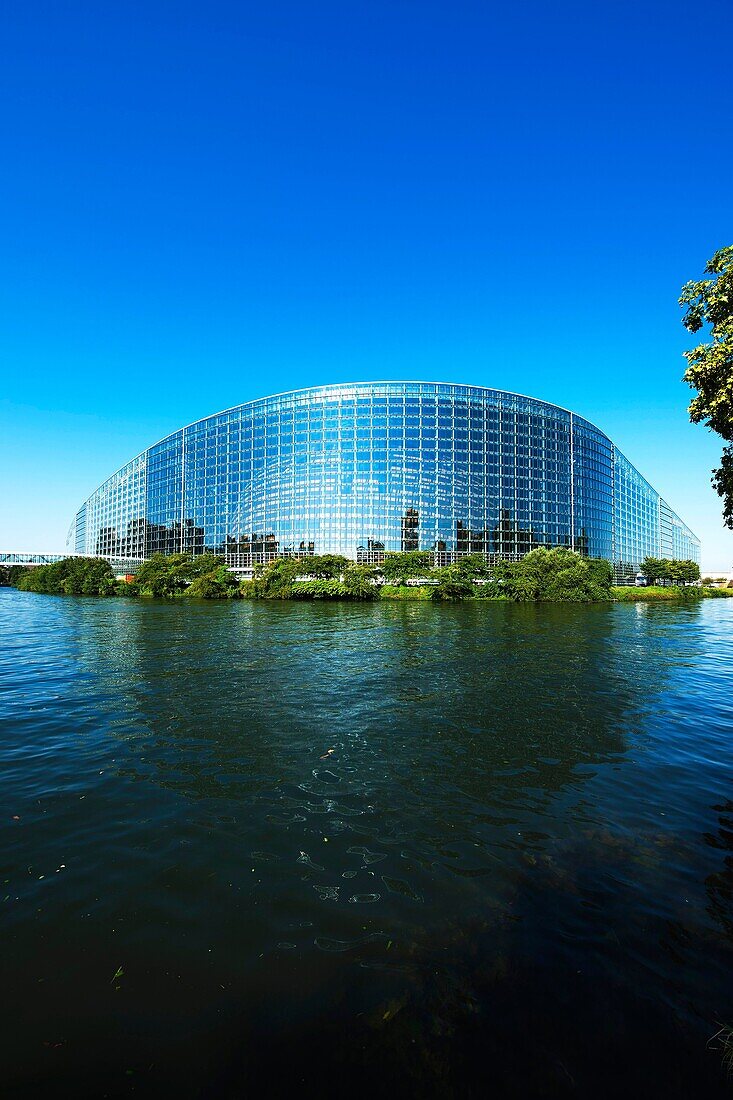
{"x": 401, "y": 836}
{"x": 447, "y": 736}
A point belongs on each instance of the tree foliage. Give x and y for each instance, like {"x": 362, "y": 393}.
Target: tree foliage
{"x": 553, "y": 576}
{"x": 10, "y": 575}
{"x": 543, "y": 575}
{"x": 398, "y": 568}
{"x": 666, "y": 569}
{"x": 322, "y": 566}
{"x": 70, "y": 577}
{"x": 454, "y": 583}
{"x": 710, "y": 365}
{"x": 219, "y": 584}
{"x": 325, "y": 576}
{"x": 359, "y": 582}
{"x": 166, "y": 575}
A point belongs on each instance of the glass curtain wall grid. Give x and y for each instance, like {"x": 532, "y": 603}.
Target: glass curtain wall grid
{"x": 366, "y": 468}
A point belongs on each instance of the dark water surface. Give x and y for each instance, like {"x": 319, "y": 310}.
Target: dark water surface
{"x": 512, "y": 876}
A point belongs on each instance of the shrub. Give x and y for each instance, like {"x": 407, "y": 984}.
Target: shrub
{"x": 452, "y": 588}
{"x": 554, "y": 575}
{"x": 359, "y": 583}
{"x": 213, "y": 586}
{"x": 70, "y": 577}
{"x": 655, "y": 594}
{"x": 319, "y": 590}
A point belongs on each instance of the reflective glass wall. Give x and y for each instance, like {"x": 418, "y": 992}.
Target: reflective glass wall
{"x": 363, "y": 468}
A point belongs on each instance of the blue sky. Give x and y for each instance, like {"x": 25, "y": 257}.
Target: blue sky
{"x": 201, "y": 204}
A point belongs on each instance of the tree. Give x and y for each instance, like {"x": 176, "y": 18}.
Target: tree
{"x": 359, "y": 582}
{"x": 400, "y": 567}
{"x": 275, "y": 580}
{"x": 654, "y": 569}
{"x": 323, "y": 566}
{"x": 70, "y": 577}
{"x": 683, "y": 572}
{"x": 710, "y": 366}
{"x": 469, "y": 567}
{"x": 668, "y": 569}
{"x": 163, "y": 575}
{"x": 453, "y": 584}
{"x": 554, "y": 575}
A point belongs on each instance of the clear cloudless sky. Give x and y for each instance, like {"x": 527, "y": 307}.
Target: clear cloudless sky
{"x": 206, "y": 203}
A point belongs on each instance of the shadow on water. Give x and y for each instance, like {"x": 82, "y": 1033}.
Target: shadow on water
{"x": 452, "y": 850}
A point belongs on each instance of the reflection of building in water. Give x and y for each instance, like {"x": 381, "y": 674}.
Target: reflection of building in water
{"x": 368, "y": 468}
{"x": 565, "y": 658}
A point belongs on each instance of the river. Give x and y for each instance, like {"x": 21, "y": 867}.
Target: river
{"x": 446, "y": 850}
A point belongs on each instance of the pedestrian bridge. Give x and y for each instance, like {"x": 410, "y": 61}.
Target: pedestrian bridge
{"x": 119, "y": 565}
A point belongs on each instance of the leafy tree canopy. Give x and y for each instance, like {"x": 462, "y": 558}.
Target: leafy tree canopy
{"x": 70, "y": 577}
{"x": 359, "y": 582}
{"x": 453, "y": 584}
{"x": 398, "y": 568}
{"x": 554, "y": 575}
{"x": 665, "y": 569}
{"x": 322, "y": 566}
{"x": 710, "y": 365}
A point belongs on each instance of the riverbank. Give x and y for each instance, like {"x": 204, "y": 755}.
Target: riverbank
{"x": 542, "y": 576}
{"x": 617, "y": 594}
{"x": 672, "y": 592}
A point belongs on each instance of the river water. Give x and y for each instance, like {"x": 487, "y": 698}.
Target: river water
{"x": 446, "y": 850}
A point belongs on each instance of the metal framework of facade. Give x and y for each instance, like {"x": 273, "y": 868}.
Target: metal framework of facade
{"x": 364, "y": 468}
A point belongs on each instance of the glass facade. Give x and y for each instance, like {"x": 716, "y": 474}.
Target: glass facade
{"x": 365, "y": 468}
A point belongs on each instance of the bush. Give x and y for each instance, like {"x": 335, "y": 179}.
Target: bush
{"x": 219, "y": 585}
{"x": 70, "y": 577}
{"x": 319, "y": 590}
{"x": 452, "y": 588}
{"x": 554, "y": 576}
{"x": 274, "y": 581}
{"x": 454, "y": 582}
{"x": 10, "y": 575}
{"x": 359, "y": 583}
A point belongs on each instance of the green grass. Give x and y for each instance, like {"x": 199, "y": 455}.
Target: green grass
{"x": 405, "y": 592}
{"x": 654, "y": 593}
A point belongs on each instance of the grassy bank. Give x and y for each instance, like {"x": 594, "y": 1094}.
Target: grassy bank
{"x": 653, "y": 594}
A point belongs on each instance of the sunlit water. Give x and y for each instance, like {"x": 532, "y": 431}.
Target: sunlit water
{"x": 455, "y": 851}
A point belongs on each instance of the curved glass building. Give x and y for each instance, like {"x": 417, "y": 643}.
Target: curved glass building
{"x": 369, "y": 467}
